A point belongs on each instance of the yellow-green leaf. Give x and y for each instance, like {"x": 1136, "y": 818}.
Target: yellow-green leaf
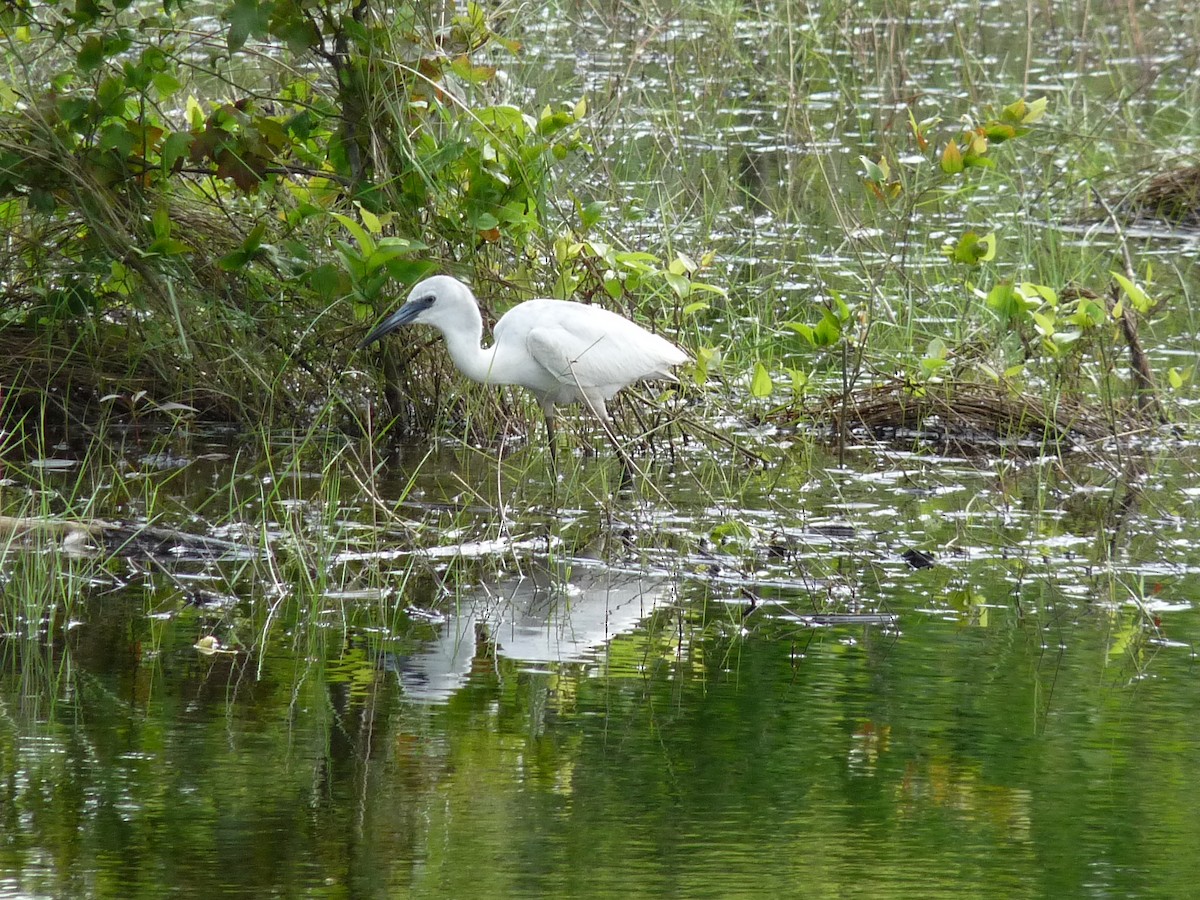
{"x": 1136, "y": 295}
{"x": 1037, "y": 109}
{"x": 761, "y": 384}
{"x": 365, "y": 243}
{"x": 952, "y": 161}
{"x": 874, "y": 170}
{"x": 1015, "y": 111}
{"x": 1044, "y": 324}
{"x": 370, "y": 220}
{"x": 973, "y": 249}
{"x": 194, "y": 112}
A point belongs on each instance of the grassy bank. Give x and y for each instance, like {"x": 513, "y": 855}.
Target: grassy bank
{"x": 810, "y": 200}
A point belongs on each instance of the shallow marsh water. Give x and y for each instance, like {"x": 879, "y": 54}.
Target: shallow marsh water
{"x": 660, "y": 704}
{"x": 456, "y": 678}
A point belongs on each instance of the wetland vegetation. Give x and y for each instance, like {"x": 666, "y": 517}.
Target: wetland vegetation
{"x": 898, "y": 599}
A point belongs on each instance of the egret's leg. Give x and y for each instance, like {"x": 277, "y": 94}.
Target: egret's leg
{"x": 627, "y": 465}
{"x": 552, "y": 441}
{"x": 626, "y": 472}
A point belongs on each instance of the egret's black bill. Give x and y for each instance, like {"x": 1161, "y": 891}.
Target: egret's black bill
{"x": 402, "y": 316}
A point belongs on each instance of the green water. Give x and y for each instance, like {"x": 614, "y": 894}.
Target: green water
{"x": 1017, "y": 720}
{"x": 949, "y": 760}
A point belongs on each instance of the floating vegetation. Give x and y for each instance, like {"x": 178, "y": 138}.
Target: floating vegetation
{"x": 1172, "y": 196}
{"x": 962, "y": 417}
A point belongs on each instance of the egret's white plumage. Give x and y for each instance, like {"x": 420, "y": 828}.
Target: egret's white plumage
{"x": 562, "y": 352}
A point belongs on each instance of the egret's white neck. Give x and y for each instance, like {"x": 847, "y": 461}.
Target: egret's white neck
{"x": 463, "y": 342}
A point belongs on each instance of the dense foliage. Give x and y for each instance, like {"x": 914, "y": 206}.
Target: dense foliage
{"x": 219, "y": 197}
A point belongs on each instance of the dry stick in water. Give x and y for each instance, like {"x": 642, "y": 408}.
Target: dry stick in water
{"x": 1144, "y": 391}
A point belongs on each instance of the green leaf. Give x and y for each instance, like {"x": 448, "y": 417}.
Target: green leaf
{"x": 828, "y": 331}
{"x": 637, "y": 259}
{"x": 370, "y": 220}
{"x": 1006, "y": 301}
{"x": 254, "y": 239}
{"x": 298, "y": 33}
{"x": 998, "y": 132}
{"x": 91, "y": 53}
{"x": 931, "y": 365}
{"x": 706, "y": 358}
{"x": 973, "y": 249}
{"x": 591, "y": 214}
{"x": 761, "y": 384}
{"x": 512, "y": 46}
{"x": 328, "y": 282}
{"x": 167, "y": 247}
{"x": 1141, "y": 302}
{"x": 874, "y": 171}
{"x": 160, "y": 222}
{"x": 683, "y": 264}
{"x": 1044, "y": 324}
{"x": 730, "y": 530}
{"x": 110, "y": 96}
{"x": 1037, "y": 109}
{"x": 232, "y": 262}
{"x": 247, "y": 19}
{"x": 1029, "y": 289}
{"x": 679, "y": 284}
{"x": 1014, "y": 112}
{"x": 504, "y": 119}
{"x": 175, "y": 148}
{"x": 410, "y": 271}
{"x": 165, "y": 84}
{"x": 805, "y": 331}
{"x": 365, "y": 242}
{"x": 1090, "y": 313}
{"x": 472, "y": 74}
{"x": 72, "y": 109}
{"x": 382, "y": 255}
{"x": 117, "y": 137}
{"x": 841, "y": 306}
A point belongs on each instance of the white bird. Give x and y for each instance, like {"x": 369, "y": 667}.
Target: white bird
{"x": 560, "y": 351}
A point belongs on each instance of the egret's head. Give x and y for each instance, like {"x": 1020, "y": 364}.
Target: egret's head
{"x": 440, "y": 301}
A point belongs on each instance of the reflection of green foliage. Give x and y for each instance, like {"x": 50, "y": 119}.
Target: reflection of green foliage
{"x": 128, "y": 758}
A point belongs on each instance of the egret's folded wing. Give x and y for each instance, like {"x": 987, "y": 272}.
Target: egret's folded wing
{"x": 581, "y": 357}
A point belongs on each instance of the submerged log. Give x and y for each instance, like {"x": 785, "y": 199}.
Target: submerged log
{"x": 96, "y": 536}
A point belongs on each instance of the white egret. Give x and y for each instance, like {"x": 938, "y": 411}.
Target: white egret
{"x": 560, "y": 351}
